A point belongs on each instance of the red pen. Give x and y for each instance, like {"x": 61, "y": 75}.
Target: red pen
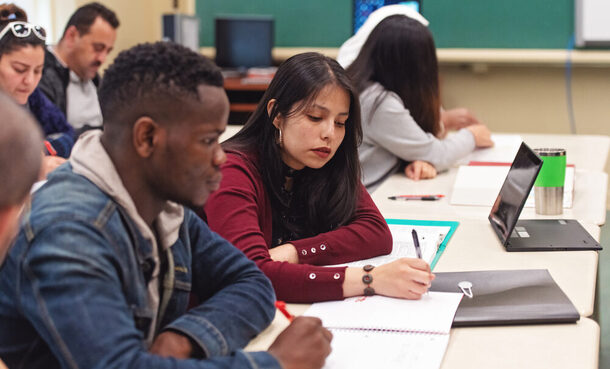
{"x": 50, "y": 148}
{"x": 281, "y": 306}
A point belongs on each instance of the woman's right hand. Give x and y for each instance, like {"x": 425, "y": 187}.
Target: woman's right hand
{"x": 482, "y": 135}
{"x": 405, "y": 278}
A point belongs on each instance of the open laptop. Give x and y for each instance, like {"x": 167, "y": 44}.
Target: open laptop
{"x": 532, "y": 234}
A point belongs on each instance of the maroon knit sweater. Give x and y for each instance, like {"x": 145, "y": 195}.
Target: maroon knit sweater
{"x": 240, "y": 211}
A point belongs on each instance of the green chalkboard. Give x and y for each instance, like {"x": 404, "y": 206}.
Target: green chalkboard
{"x": 539, "y": 24}
{"x": 321, "y": 23}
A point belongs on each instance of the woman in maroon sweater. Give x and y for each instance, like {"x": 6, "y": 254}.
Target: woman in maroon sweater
{"x": 291, "y": 197}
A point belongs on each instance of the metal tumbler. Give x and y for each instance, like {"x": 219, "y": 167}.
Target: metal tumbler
{"x": 548, "y": 188}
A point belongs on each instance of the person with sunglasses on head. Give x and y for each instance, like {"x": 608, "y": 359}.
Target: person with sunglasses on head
{"x": 70, "y": 77}
{"x": 21, "y": 63}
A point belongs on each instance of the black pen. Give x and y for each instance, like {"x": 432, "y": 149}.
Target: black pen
{"x": 416, "y": 243}
{"x": 416, "y": 197}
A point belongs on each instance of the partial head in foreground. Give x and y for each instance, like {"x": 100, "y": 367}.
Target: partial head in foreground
{"x": 20, "y": 157}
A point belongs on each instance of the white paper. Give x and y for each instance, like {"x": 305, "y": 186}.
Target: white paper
{"x": 479, "y": 185}
{"x": 434, "y": 312}
{"x": 430, "y": 237}
{"x": 388, "y": 350}
{"x": 504, "y": 150}
{"x": 383, "y": 332}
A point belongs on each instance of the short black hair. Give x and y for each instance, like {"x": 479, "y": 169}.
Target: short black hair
{"x": 84, "y": 17}
{"x": 154, "y": 79}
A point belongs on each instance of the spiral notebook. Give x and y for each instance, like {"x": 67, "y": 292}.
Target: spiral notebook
{"x": 384, "y": 332}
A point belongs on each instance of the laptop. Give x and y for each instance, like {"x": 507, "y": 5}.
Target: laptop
{"x": 532, "y": 234}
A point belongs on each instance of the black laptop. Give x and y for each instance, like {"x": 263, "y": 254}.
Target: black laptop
{"x": 532, "y": 234}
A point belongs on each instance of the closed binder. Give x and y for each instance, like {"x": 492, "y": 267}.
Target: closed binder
{"x": 501, "y": 297}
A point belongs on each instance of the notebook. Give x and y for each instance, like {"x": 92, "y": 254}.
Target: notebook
{"x": 532, "y": 234}
{"x": 383, "y": 332}
{"x": 433, "y": 238}
{"x": 500, "y": 297}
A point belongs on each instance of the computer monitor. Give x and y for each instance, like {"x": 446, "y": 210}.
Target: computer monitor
{"x": 182, "y": 29}
{"x": 363, "y": 8}
{"x": 244, "y": 41}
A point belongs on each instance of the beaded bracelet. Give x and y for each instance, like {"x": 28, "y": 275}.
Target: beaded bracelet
{"x": 368, "y": 279}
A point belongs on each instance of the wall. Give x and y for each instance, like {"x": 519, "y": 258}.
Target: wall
{"x": 532, "y": 99}
{"x": 140, "y": 20}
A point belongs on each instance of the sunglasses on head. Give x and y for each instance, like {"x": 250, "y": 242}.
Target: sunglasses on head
{"x": 24, "y": 29}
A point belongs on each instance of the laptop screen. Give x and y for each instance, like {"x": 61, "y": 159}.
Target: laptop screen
{"x": 514, "y": 192}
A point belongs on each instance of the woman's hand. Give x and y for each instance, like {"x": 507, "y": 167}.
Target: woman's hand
{"x": 458, "y": 118}
{"x": 482, "y": 135}
{"x": 405, "y": 278}
{"x": 286, "y": 252}
{"x": 420, "y": 170}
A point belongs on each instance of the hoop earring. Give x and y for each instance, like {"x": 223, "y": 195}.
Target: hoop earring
{"x": 280, "y": 140}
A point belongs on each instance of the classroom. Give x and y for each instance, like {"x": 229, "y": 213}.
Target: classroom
{"x": 273, "y": 184}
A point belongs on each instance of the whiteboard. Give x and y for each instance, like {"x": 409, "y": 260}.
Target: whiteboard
{"x": 592, "y": 22}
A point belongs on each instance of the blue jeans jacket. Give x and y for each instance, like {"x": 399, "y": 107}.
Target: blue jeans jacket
{"x": 73, "y": 288}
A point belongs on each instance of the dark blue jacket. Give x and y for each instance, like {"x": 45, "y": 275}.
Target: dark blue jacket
{"x": 56, "y": 128}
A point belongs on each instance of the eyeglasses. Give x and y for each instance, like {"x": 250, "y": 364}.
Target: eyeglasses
{"x": 24, "y": 29}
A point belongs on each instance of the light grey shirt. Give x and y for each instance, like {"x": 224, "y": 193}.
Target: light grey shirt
{"x": 391, "y": 135}
{"x": 82, "y": 105}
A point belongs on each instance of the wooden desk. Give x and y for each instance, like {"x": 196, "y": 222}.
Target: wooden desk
{"x": 244, "y": 94}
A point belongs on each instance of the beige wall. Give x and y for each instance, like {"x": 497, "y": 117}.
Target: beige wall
{"x": 531, "y": 99}
{"x": 140, "y": 20}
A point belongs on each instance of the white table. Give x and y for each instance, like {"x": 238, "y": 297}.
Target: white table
{"x": 475, "y": 246}
{"x": 590, "y": 190}
{"x": 554, "y": 346}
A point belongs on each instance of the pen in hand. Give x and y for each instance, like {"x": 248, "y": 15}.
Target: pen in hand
{"x": 50, "y": 148}
{"x": 416, "y": 243}
{"x": 281, "y": 306}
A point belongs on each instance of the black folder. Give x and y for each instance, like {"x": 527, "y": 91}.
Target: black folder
{"x": 503, "y": 297}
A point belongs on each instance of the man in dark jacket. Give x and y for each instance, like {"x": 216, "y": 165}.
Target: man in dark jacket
{"x": 70, "y": 78}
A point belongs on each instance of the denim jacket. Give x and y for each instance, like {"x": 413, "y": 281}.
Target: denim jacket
{"x": 73, "y": 290}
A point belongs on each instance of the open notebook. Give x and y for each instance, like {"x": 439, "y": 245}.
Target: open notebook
{"x": 383, "y": 332}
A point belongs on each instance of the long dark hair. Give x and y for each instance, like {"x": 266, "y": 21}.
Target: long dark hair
{"x": 12, "y": 13}
{"x": 401, "y": 56}
{"x": 331, "y": 192}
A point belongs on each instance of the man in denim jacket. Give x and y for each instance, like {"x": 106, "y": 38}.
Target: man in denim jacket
{"x": 102, "y": 268}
